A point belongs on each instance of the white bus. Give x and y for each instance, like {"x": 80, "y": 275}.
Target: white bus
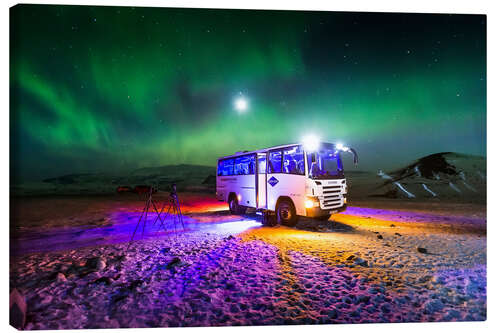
{"x": 284, "y": 182}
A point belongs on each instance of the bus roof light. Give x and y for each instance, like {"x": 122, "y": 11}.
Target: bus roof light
{"x": 340, "y": 146}
{"x": 311, "y": 142}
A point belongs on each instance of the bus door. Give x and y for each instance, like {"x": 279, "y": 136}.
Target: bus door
{"x": 274, "y": 179}
{"x": 261, "y": 193}
{"x": 286, "y": 177}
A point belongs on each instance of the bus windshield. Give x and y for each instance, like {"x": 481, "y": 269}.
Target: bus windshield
{"x": 325, "y": 163}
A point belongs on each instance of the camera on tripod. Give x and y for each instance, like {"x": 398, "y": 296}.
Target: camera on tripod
{"x": 170, "y": 207}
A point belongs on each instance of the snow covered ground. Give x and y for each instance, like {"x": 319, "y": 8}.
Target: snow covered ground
{"x": 383, "y": 264}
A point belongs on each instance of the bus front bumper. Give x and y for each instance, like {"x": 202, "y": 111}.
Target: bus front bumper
{"x": 317, "y": 211}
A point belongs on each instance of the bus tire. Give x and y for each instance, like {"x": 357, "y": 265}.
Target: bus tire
{"x": 234, "y": 206}
{"x": 286, "y": 213}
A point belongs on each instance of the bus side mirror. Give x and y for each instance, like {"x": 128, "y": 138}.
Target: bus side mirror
{"x": 355, "y": 155}
{"x": 313, "y": 157}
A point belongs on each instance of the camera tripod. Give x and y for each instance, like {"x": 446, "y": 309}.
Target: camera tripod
{"x": 172, "y": 205}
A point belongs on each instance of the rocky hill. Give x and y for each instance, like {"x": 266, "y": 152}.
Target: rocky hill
{"x": 444, "y": 175}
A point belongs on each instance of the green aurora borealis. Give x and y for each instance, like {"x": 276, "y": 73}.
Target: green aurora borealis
{"x": 116, "y": 88}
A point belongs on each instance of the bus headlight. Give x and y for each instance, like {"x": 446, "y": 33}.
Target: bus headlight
{"x": 311, "y": 202}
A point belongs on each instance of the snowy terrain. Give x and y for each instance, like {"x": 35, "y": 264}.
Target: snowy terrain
{"x": 364, "y": 265}
{"x": 410, "y": 247}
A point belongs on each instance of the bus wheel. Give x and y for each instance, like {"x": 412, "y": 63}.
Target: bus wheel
{"x": 234, "y": 207}
{"x": 286, "y": 214}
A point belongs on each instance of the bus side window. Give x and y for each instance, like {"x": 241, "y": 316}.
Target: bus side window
{"x": 251, "y": 165}
{"x": 262, "y": 164}
{"x": 237, "y": 166}
{"x": 275, "y": 161}
{"x": 219, "y": 168}
{"x": 293, "y": 160}
{"x": 225, "y": 167}
{"x": 244, "y": 165}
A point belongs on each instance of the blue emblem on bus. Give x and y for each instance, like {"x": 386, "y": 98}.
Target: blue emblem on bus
{"x": 273, "y": 181}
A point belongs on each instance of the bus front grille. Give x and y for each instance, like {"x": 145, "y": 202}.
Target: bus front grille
{"x": 327, "y": 190}
{"x": 332, "y": 201}
{"x": 332, "y": 196}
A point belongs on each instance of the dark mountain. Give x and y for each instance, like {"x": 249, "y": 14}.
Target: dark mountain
{"x": 441, "y": 175}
